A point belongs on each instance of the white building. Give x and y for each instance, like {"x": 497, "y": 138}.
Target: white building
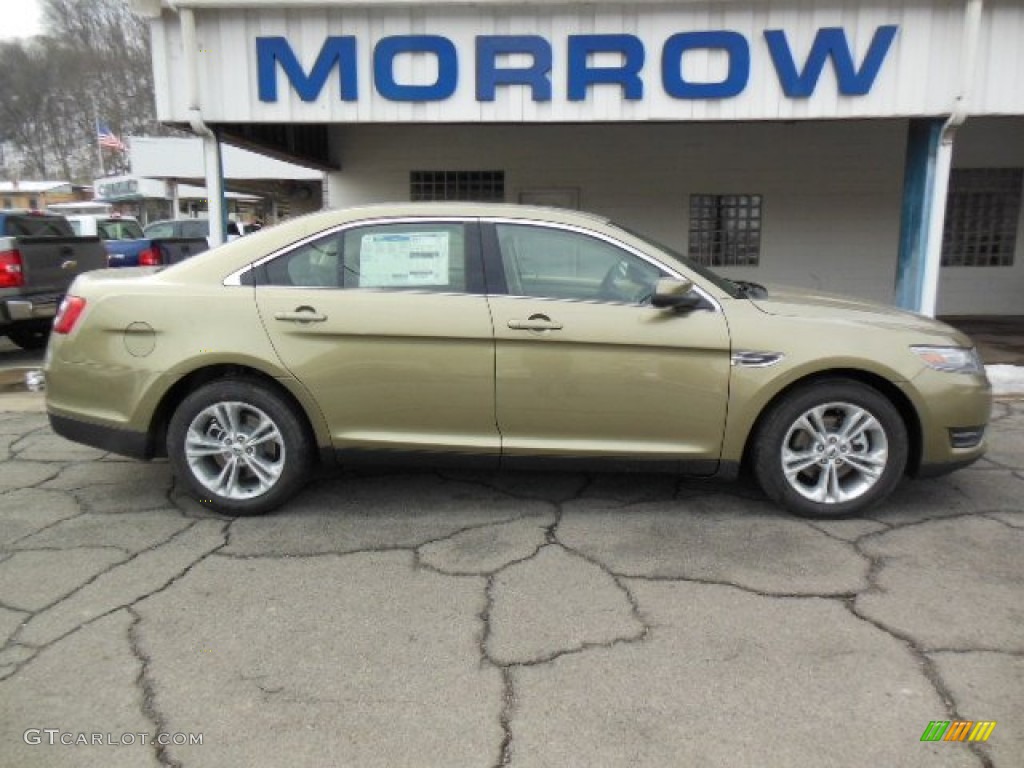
{"x": 799, "y": 141}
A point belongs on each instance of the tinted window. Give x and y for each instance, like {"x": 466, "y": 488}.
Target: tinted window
{"x": 119, "y": 229}
{"x": 195, "y": 228}
{"x": 160, "y": 229}
{"x": 39, "y": 226}
{"x": 314, "y": 265}
{"x": 558, "y": 264}
{"x": 430, "y": 257}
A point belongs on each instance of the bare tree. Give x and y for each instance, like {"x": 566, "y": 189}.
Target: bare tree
{"x": 92, "y": 63}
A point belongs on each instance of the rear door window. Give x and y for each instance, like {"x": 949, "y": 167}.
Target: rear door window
{"x": 431, "y": 256}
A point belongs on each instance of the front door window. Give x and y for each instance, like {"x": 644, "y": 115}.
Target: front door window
{"x": 558, "y": 264}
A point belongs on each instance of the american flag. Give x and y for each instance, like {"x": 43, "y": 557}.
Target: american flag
{"x": 107, "y": 139}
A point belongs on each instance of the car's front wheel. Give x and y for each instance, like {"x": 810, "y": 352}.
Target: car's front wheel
{"x": 239, "y": 446}
{"x": 831, "y": 449}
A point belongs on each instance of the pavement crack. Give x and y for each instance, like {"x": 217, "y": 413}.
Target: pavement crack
{"x": 114, "y": 566}
{"x": 492, "y": 485}
{"x": 312, "y": 554}
{"x": 13, "y": 642}
{"x": 505, "y": 718}
{"x": 925, "y": 663}
{"x": 813, "y": 524}
{"x": 147, "y": 687}
{"x": 617, "y": 580}
{"x": 7, "y": 607}
{"x": 914, "y": 523}
{"x": 992, "y": 515}
{"x": 976, "y": 649}
{"x": 48, "y": 526}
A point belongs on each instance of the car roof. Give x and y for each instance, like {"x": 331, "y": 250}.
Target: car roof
{"x": 473, "y": 209}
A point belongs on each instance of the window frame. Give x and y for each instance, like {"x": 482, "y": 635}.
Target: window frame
{"x": 495, "y": 273}
{"x": 254, "y": 274}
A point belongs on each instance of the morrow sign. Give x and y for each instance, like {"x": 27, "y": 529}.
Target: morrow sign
{"x": 498, "y": 62}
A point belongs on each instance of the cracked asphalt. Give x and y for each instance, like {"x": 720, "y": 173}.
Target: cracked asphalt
{"x": 401, "y": 618}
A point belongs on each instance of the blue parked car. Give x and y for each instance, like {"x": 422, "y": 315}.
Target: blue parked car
{"x": 127, "y": 246}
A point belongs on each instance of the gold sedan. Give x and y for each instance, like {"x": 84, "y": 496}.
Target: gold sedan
{"x": 502, "y": 336}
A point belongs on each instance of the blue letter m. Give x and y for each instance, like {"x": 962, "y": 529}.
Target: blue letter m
{"x": 829, "y": 43}
{"x": 336, "y": 50}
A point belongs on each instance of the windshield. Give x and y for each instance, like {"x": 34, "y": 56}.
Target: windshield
{"x": 731, "y": 288}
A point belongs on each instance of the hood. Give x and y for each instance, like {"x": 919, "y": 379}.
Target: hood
{"x": 796, "y": 302}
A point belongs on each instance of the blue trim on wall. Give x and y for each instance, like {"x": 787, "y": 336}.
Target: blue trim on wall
{"x": 923, "y": 137}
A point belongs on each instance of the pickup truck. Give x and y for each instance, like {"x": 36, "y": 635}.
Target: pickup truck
{"x": 127, "y": 246}
{"x": 39, "y": 257}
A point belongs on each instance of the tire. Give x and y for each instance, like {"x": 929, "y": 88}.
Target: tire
{"x": 29, "y": 338}
{"x": 216, "y": 462}
{"x": 831, "y": 449}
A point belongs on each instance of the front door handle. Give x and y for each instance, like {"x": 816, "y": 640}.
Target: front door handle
{"x": 535, "y": 323}
{"x": 300, "y": 315}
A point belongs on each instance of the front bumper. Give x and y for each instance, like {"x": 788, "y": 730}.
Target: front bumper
{"x": 954, "y": 411}
{"x": 944, "y": 468}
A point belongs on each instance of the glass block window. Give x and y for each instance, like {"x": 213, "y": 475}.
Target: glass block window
{"x": 476, "y": 186}
{"x": 982, "y": 212}
{"x": 725, "y": 230}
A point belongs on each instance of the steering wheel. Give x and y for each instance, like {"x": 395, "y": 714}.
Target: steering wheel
{"x": 624, "y": 282}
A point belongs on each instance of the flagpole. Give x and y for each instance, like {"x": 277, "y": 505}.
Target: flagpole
{"x": 96, "y": 135}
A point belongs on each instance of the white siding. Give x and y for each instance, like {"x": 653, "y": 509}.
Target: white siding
{"x": 831, "y": 191}
{"x": 918, "y": 76}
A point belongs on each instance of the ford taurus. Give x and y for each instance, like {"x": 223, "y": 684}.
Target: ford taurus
{"x": 502, "y": 336}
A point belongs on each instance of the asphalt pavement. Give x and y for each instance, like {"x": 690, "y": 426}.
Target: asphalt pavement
{"x": 462, "y": 619}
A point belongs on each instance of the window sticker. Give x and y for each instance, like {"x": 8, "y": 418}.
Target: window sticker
{"x": 403, "y": 260}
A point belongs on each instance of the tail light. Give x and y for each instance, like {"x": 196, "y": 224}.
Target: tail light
{"x": 150, "y": 257}
{"x": 11, "y": 273}
{"x": 70, "y": 310}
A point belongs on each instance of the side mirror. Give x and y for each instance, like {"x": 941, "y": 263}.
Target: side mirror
{"x": 670, "y": 293}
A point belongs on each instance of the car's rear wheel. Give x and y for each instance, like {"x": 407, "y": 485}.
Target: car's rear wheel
{"x": 831, "y": 449}
{"x": 239, "y": 446}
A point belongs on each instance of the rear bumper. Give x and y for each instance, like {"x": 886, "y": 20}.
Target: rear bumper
{"x": 136, "y": 445}
{"x": 29, "y": 308}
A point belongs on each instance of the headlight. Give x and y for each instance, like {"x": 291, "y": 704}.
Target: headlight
{"x": 950, "y": 359}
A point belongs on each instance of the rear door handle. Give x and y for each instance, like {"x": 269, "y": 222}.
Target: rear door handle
{"x": 535, "y": 323}
{"x": 300, "y": 315}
